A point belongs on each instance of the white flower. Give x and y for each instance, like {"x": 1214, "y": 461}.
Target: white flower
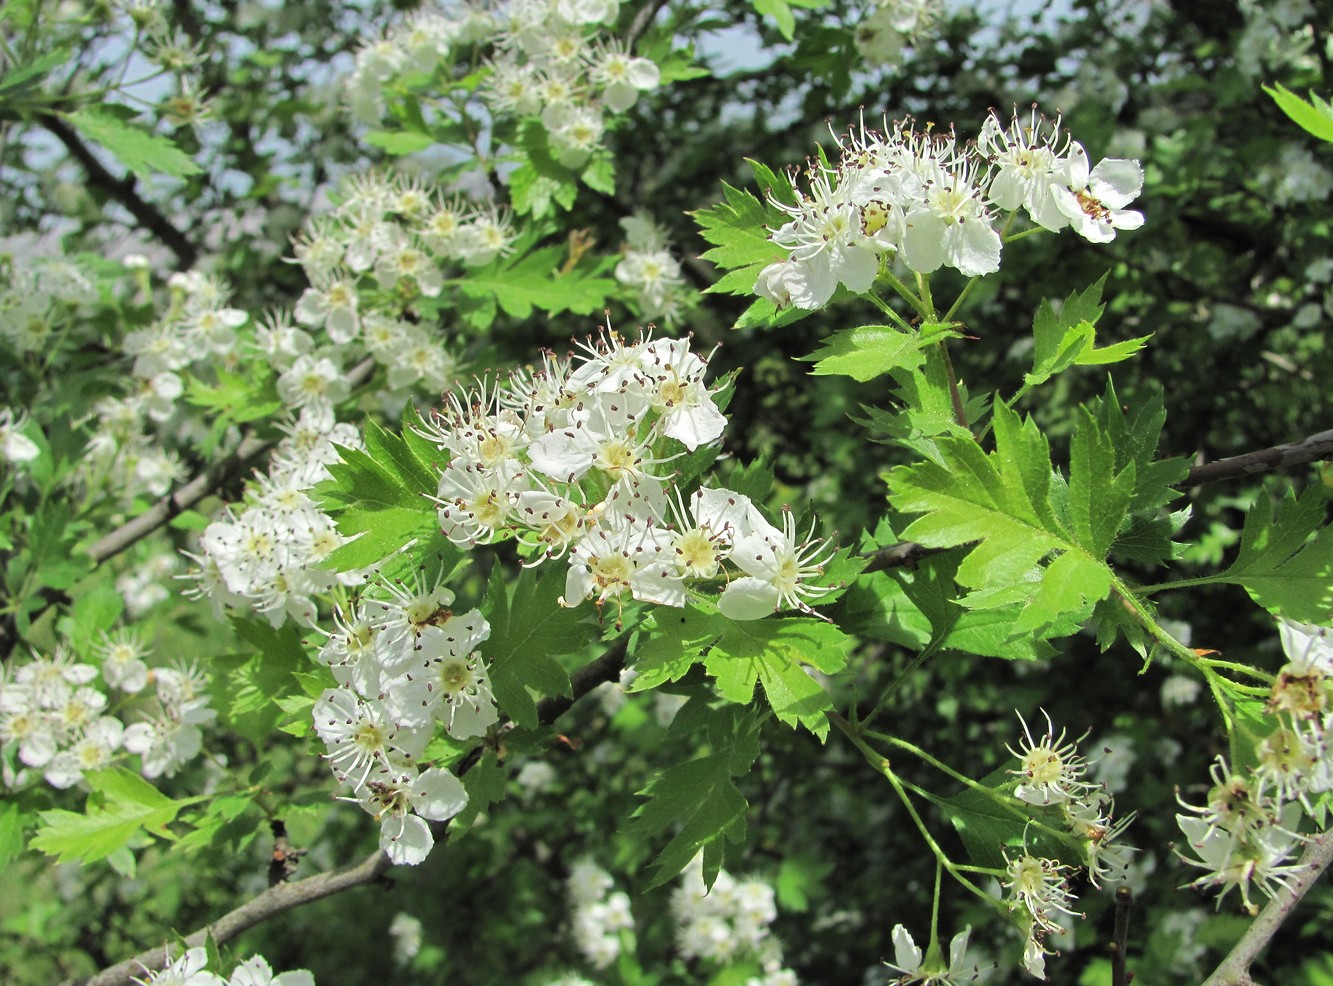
{"x": 1052, "y": 769}
{"x": 826, "y": 245}
{"x": 777, "y": 572}
{"x": 951, "y": 225}
{"x": 915, "y": 968}
{"x": 401, "y": 802}
{"x": 622, "y": 77}
{"x": 1260, "y": 856}
{"x": 1094, "y": 202}
{"x": 1038, "y": 885}
{"x": 186, "y": 970}
{"x": 14, "y": 445}
{"x": 257, "y": 972}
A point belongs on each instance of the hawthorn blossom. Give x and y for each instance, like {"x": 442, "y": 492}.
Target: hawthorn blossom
{"x": 1095, "y": 201}
{"x": 929, "y": 970}
{"x": 778, "y": 571}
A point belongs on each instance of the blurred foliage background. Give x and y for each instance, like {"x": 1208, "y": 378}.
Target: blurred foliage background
{"x": 1231, "y": 274}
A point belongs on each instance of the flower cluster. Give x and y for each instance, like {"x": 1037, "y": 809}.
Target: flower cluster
{"x": 1052, "y": 774}
{"x": 929, "y": 200}
{"x": 190, "y": 968}
{"x": 54, "y": 714}
{"x": 648, "y": 268}
{"x": 546, "y": 60}
{"x": 196, "y": 334}
{"x": 572, "y": 460}
{"x": 405, "y": 664}
{"x": 728, "y": 922}
{"x": 598, "y": 916}
{"x": 1246, "y": 831}
{"x": 266, "y": 554}
{"x": 42, "y": 297}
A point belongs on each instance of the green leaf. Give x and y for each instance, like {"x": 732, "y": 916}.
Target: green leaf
{"x": 1285, "y": 560}
{"x": 12, "y": 822}
{"x": 380, "y": 498}
{"x": 771, "y": 652}
{"x": 122, "y": 805}
{"x": 700, "y": 798}
{"x": 527, "y": 636}
{"x": 400, "y": 142}
{"x": 27, "y": 76}
{"x": 866, "y": 352}
{"x": 1037, "y": 541}
{"x": 142, "y": 152}
{"x": 1314, "y": 115}
{"x": 736, "y": 228}
{"x": 1062, "y": 339}
{"x": 677, "y": 642}
{"x": 485, "y": 785}
{"x": 518, "y": 284}
{"x": 540, "y": 182}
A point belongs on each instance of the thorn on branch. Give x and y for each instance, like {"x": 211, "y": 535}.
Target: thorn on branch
{"x": 286, "y": 858}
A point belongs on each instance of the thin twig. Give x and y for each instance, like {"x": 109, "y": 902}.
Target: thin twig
{"x": 123, "y": 190}
{"x": 214, "y": 477}
{"x": 1312, "y": 449}
{"x": 285, "y": 896}
{"x": 1124, "y": 901}
{"x": 1235, "y": 968}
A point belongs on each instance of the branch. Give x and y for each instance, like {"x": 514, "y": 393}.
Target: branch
{"x": 906, "y": 554}
{"x": 1235, "y": 968}
{"x": 1124, "y": 900}
{"x": 123, "y": 191}
{"x": 285, "y": 896}
{"x": 214, "y": 477}
{"x": 1312, "y": 449}
{"x": 272, "y": 901}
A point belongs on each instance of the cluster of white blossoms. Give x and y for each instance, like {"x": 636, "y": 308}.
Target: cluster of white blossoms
{"x": 728, "y": 923}
{"x": 190, "y": 968}
{"x": 42, "y": 296}
{"x": 892, "y": 25}
{"x": 599, "y": 917}
{"x": 1052, "y": 774}
{"x": 575, "y": 460}
{"x": 130, "y": 450}
{"x": 406, "y": 664}
{"x": 265, "y": 555}
{"x": 1246, "y": 831}
{"x": 648, "y": 268}
{"x": 928, "y": 200}
{"x": 544, "y": 59}
{"x": 54, "y": 714}
{"x": 386, "y": 245}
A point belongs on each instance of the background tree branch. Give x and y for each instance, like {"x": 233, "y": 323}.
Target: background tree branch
{"x": 285, "y": 896}
{"x": 124, "y": 191}
{"x": 1235, "y": 968}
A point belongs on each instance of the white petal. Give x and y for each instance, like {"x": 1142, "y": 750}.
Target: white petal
{"x": 438, "y": 794}
{"x": 974, "y": 248}
{"x": 906, "y": 956}
{"x": 1116, "y": 182}
{"x": 858, "y": 269}
{"x": 923, "y": 243}
{"x": 411, "y": 846}
{"x": 748, "y": 598}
